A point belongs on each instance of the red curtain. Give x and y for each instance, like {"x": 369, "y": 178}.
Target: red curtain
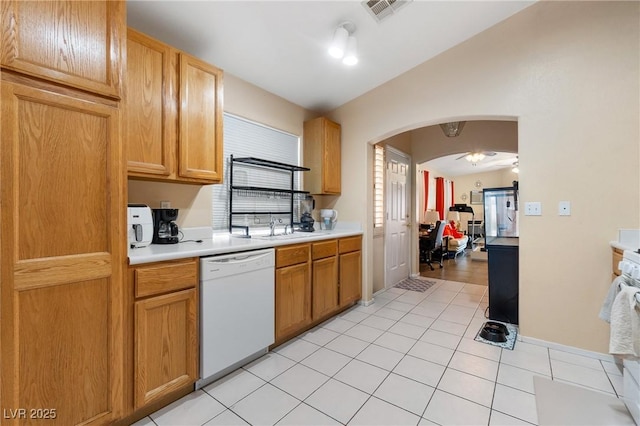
{"x": 425, "y": 175}
{"x": 440, "y": 196}
{"x": 453, "y": 199}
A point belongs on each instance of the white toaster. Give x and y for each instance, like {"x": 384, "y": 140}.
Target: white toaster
{"x": 139, "y": 225}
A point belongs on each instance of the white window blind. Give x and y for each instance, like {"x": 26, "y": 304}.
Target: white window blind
{"x": 245, "y": 138}
{"x": 378, "y": 187}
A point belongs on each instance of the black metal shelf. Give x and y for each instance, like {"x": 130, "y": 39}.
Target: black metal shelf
{"x": 289, "y": 193}
{"x": 264, "y": 189}
{"x": 258, "y": 213}
{"x": 270, "y": 164}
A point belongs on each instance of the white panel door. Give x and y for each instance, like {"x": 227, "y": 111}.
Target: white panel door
{"x": 397, "y": 223}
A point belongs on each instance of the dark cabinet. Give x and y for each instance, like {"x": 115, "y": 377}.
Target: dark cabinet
{"x": 503, "y": 279}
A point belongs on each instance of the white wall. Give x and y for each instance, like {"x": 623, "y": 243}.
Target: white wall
{"x": 568, "y": 73}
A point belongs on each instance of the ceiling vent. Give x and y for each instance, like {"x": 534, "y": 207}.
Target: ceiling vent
{"x": 382, "y": 9}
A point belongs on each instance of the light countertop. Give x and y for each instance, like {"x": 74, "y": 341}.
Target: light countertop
{"x": 220, "y": 243}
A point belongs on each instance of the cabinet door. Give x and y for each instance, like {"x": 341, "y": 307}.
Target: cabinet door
{"x": 75, "y": 43}
{"x": 322, "y": 156}
{"x": 331, "y": 168}
{"x": 350, "y": 277}
{"x": 149, "y": 107}
{"x": 293, "y": 299}
{"x": 166, "y": 350}
{"x": 63, "y": 255}
{"x": 325, "y": 287}
{"x": 200, "y": 118}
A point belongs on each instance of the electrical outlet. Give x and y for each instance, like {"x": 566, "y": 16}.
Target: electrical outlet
{"x": 165, "y": 204}
{"x": 564, "y": 208}
{"x": 533, "y": 208}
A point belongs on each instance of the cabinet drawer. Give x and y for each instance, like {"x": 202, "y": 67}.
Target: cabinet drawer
{"x": 292, "y": 255}
{"x": 350, "y": 244}
{"x": 324, "y": 249}
{"x": 166, "y": 276}
{"x": 615, "y": 259}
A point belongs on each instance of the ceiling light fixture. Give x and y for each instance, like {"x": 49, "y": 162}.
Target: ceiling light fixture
{"x": 452, "y": 129}
{"x": 351, "y": 55}
{"x": 474, "y": 157}
{"x": 344, "y": 45}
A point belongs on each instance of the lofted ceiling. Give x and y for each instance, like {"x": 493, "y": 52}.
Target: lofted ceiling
{"x": 281, "y": 46}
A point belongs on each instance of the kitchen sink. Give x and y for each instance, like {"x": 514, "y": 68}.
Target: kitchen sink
{"x": 293, "y": 236}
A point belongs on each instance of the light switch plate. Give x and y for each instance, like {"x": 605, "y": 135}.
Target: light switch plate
{"x": 564, "y": 208}
{"x": 533, "y": 208}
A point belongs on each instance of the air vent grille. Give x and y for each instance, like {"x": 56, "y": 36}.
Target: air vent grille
{"x": 382, "y": 9}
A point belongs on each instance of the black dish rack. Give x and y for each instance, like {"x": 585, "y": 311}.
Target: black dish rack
{"x": 289, "y": 193}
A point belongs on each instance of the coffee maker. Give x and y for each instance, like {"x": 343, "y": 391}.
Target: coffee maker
{"x": 306, "y": 207}
{"x": 165, "y": 230}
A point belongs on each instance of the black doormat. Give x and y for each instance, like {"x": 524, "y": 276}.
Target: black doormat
{"x": 511, "y": 337}
{"x": 415, "y": 284}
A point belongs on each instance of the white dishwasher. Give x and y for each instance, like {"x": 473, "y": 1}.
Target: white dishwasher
{"x": 237, "y": 311}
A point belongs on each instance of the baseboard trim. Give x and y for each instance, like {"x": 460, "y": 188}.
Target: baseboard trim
{"x": 570, "y": 349}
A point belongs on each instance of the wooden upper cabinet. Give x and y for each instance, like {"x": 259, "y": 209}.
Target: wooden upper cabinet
{"x": 150, "y": 107}
{"x": 322, "y": 155}
{"x": 173, "y": 108}
{"x": 200, "y": 147}
{"x": 74, "y": 43}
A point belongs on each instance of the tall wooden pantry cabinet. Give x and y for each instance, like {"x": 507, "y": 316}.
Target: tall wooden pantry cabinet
{"x": 62, "y": 217}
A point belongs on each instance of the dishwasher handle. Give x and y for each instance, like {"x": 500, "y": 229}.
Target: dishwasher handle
{"x": 240, "y": 262}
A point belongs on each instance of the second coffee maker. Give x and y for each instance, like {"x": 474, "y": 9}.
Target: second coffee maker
{"x": 165, "y": 230}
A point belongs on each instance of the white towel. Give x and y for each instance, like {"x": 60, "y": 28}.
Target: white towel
{"x": 605, "y": 311}
{"x": 625, "y": 323}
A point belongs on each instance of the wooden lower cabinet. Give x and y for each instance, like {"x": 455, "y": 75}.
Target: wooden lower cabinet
{"x": 325, "y": 287}
{"x": 165, "y": 351}
{"x": 315, "y": 281}
{"x": 324, "y": 281}
{"x": 293, "y": 299}
{"x": 162, "y": 350}
{"x": 350, "y": 277}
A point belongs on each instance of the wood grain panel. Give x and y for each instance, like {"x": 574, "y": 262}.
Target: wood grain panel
{"x": 332, "y": 167}
{"x": 69, "y": 214}
{"x": 291, "y": 255}
{"x": 150, "y": 109}
{"x": 616, "y": 257}
{"x": 166, "y": 276}
{"x": 293, "y": 299}
{"x": 61, "y": 339}
{"x": 346, "y": 245}
{"x": 59, "y": 270}
{"x": 325, "y": 287}
{"x": 75, "y": 43}
{"x": 324, "y": 249}
{"x": 350, "y": 279}
{"x": 322, "y": 154}
{"x": 166, "y": 345}
{"x": 57, "y": 358}
{"x": 200, "y": 118}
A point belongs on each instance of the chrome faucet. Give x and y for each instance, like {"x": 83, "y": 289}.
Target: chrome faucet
{"x": 272, "y": 226}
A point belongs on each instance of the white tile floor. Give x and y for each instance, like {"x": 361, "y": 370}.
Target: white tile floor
{"x": 407, "y": 359}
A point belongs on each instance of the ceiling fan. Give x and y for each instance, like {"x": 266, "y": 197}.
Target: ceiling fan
{"x": 474, "y": 156}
